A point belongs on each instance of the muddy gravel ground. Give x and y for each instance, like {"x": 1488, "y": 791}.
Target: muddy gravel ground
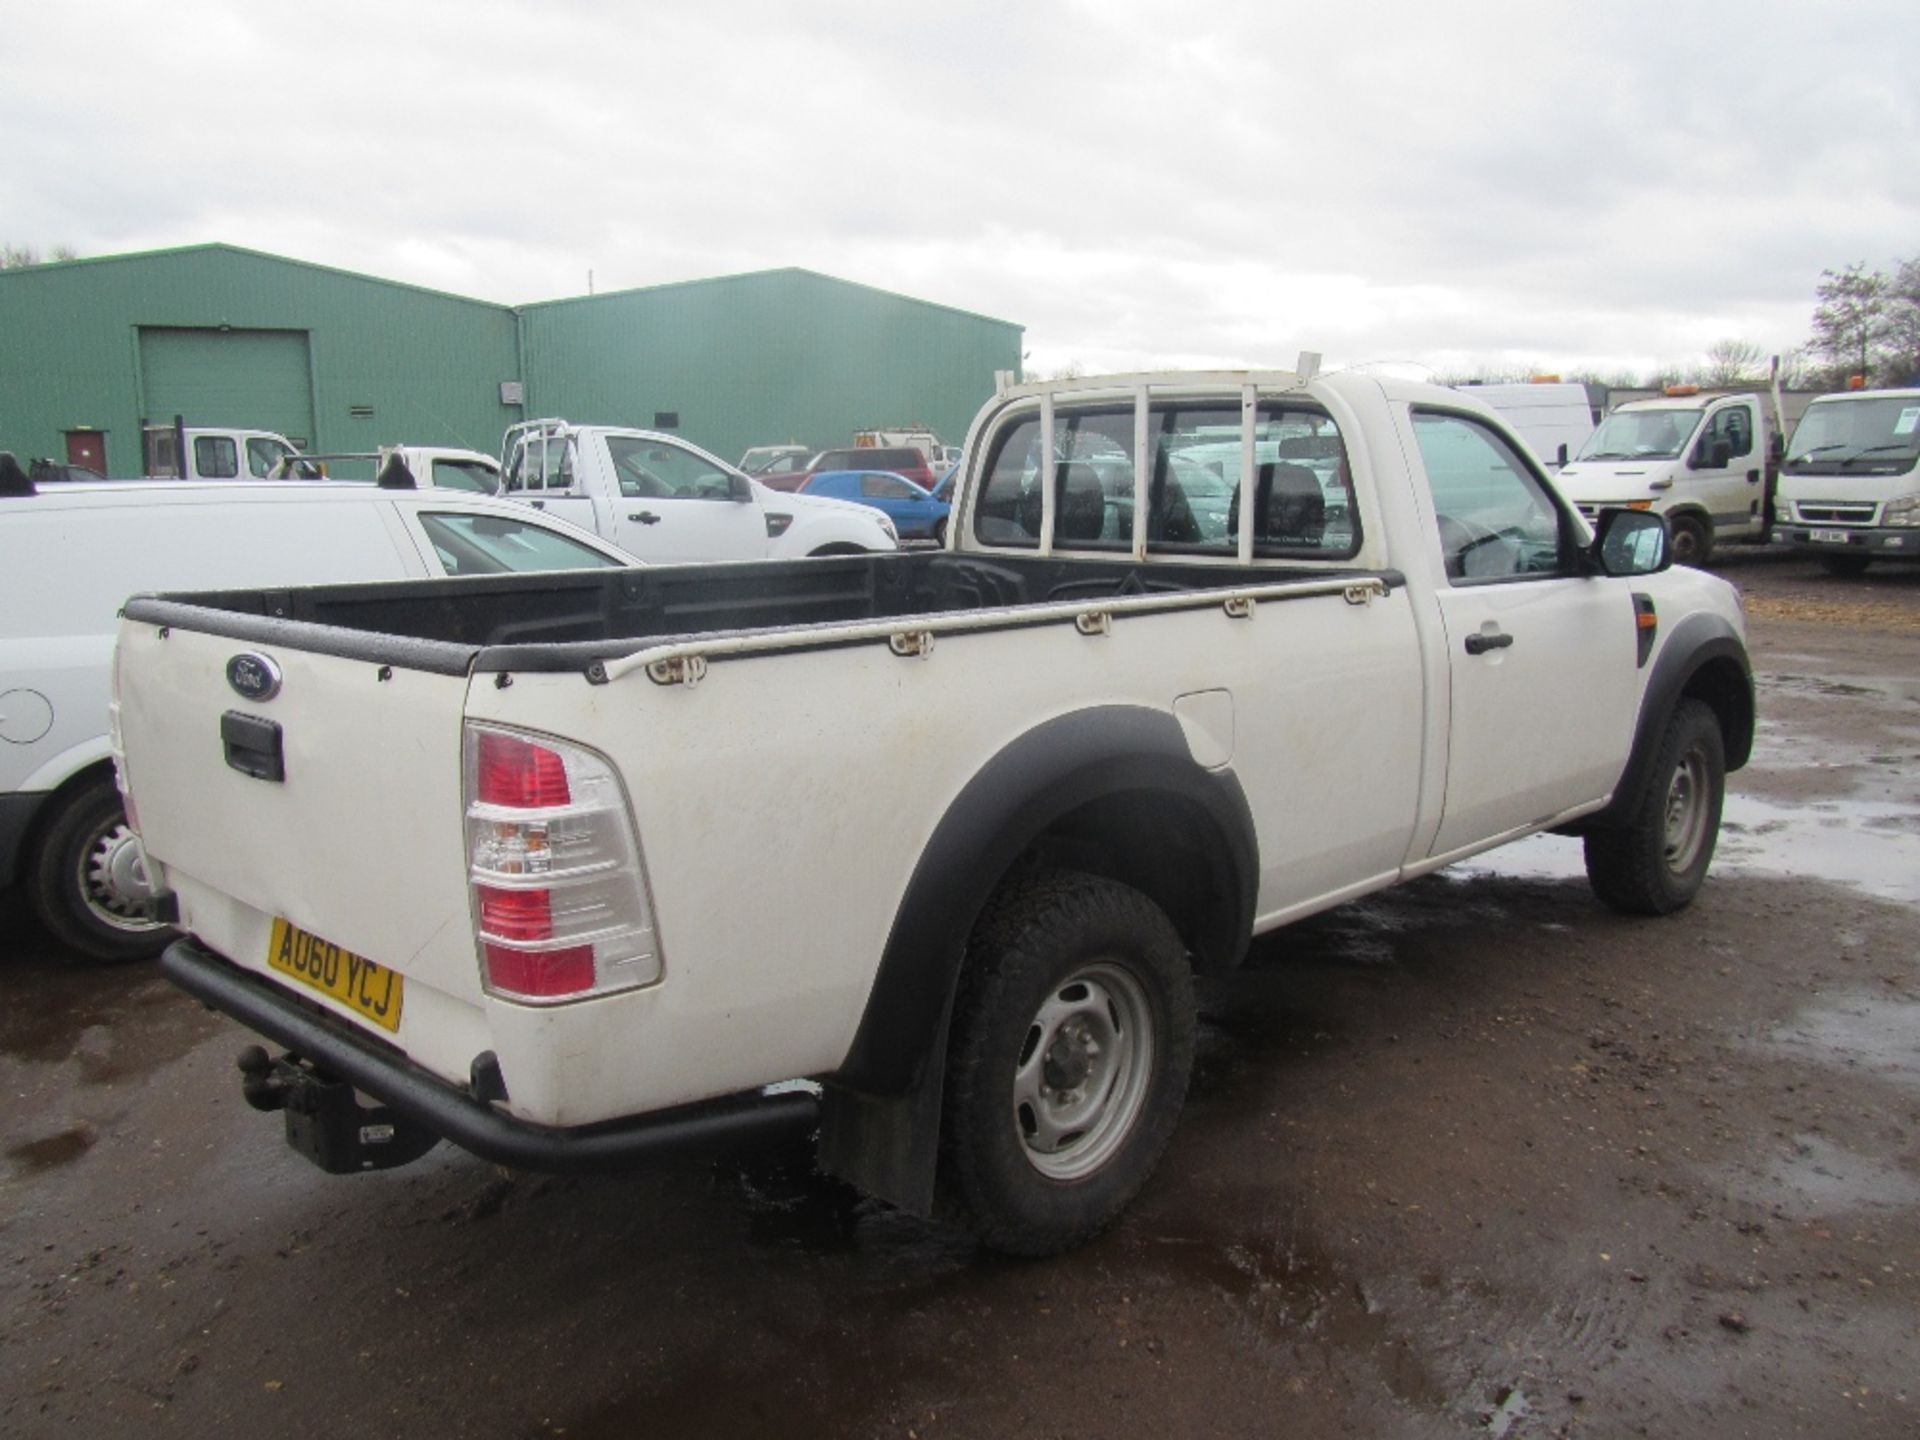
{"x": 1474, "y": 1157}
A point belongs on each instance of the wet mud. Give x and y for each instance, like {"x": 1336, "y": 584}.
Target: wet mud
{"x": 1475, "y": 1157}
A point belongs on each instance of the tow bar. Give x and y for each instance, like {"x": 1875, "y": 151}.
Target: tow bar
{"x": 325, "y": 1122}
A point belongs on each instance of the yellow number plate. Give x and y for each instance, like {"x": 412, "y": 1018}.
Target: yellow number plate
{"x": 355, "y": 981}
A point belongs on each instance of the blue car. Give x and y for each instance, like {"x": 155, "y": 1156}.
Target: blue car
{"x": 914, "y": 512}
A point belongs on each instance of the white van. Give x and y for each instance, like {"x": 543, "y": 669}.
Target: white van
{"x": 1699, "y": 459}
{"x": 1553, "y": 417}
{"x": 1850, "y": 484}
{"x": 71, "y": 554}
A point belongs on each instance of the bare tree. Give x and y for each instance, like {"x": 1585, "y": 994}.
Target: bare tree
{"x": 1902, "y": 336}
{"x": 1732, "y": 362}
{"x": 1850, "y": 319}
{"x": 13, "y": 257}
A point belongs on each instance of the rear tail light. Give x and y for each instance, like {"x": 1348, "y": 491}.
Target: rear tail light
{"x": 559, "y": 893}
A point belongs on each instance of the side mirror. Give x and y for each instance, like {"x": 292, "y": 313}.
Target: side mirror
{"x": 740, "y": 489}
{"x": 1563, "y": 452}
{"x": 1631, "y": 542}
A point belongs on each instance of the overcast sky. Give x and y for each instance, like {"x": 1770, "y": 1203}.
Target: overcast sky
{"x": 1609, "y": 186}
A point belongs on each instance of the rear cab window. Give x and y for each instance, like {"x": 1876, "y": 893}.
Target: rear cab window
{"x": 1302, "y": 482}
{"x": 215, "y": 457}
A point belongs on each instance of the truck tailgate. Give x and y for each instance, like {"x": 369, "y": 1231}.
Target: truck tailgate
{"x": 359, "y": 843}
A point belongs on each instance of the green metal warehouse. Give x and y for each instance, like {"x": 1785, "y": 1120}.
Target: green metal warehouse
{"x": 90, "y": 350}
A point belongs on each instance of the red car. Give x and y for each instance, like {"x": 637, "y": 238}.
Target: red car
{"x": 902, "y": 461}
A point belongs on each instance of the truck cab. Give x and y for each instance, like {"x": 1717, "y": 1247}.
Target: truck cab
{"x": 1850, "y": 482}
{"x": 1698, "y": 459}
{"x": 218, "y": 453}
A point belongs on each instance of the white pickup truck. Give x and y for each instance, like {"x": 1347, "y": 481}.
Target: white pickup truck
{"x": 664, "y": 500}
{"x": 588, "y": 867}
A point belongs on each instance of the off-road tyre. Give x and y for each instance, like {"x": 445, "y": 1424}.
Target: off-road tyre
{"x": 80, "y": 840}
{"x": 1690, "y": 539}
{"x": 1064, "y": 971}
{"x": 1656, "y": 863}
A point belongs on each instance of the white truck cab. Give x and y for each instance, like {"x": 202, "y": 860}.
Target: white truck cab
{"x": 217, "y": 453}
{"x": 664, "y": 500}
{"x": 1698, "y": 459}
{"x": 1850, "y": 482}
{"x": 447, "y": 466}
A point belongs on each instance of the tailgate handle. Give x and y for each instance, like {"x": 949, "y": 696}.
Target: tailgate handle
{"x": 253, "y": 746}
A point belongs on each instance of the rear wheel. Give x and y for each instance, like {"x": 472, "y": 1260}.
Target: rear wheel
{"x": 1656, "y": 863}
{"x": 1692, "y": 540}
{"x": 1072, "y": 1043}
{"x": 89, "y": 879}
{"x": 1845, "y": 565}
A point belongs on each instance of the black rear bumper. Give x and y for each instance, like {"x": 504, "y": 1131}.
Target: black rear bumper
{"x": 731, "y": 1122}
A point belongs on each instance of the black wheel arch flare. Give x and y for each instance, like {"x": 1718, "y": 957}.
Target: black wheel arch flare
{"x": 1703, "y": 658}
{"x": 1111, "y": 789}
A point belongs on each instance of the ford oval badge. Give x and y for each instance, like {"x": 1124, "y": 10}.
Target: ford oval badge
{"x": 253, "y": 676}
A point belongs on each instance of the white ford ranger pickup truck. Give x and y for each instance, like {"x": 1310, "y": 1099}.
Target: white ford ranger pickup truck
{"x": 921, "y": 850}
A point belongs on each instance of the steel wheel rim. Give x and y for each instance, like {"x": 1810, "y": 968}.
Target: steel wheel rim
{"x": 1686, "y": 812}
{"x": 1085, "y": 1066}
{"x": 113, "y": 881}
{"x": 1686, "y": 545}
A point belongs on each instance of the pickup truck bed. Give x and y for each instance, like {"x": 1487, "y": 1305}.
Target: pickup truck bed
{"x": 570, "y": 621}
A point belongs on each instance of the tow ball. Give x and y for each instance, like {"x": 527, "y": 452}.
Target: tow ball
{"x": 325, "y": 1122}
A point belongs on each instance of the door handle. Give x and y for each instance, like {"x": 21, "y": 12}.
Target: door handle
{"x": 1481, "y": 641}
{"x": 1753, "y": 477}
{"x": 645, "y": 517}
{"x": 538, "y": 504}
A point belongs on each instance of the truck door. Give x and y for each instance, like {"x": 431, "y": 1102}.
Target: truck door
{"x": 674, "y": 504}
{"x": 1725, "y": 466}
{"x": 1541, "y": 660}
{"x": 543, "y": 471}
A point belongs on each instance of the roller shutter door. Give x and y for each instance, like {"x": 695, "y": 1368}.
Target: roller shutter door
{"x": 248, "y": 379}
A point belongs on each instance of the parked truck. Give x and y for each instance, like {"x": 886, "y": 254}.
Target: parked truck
{"x": 207, "y": 452}
{"x": 1700, "y": 459}
{"x": 662, "y": 499}
{"x": 926, "y": 849}
{"x": 1850, "y": 483}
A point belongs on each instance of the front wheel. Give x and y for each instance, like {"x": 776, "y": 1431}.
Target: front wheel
{"x": 1845, "y": 566}
{"x": 1656, "y": 863}
{"x": 1072, "y": 1042}
{"x": 940, "y": 532}
{"x": 1692, "y": 540}
{"x": 89, "y": 879}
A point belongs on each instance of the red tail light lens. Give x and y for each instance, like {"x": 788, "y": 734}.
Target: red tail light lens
{"x": 540, "y": 974}
{"x": 518, "y": 774}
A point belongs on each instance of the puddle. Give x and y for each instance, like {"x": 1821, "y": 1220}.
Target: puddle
{"x": 1287, "y": 1293}
{"x": 1866, "y": 845}
{"x": 115, "y": 1022}
{"x": 1857, "y": 1032}
{"x": 1810, "y": 1176}
{"x": 1880, "y": 687}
